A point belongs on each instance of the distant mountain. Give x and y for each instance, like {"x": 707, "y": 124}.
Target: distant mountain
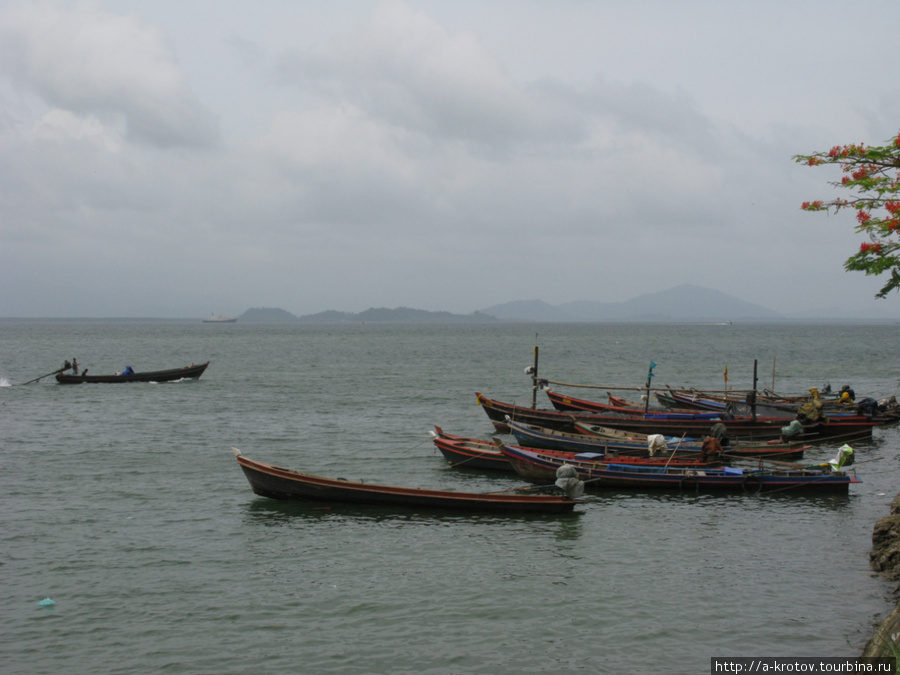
{"x": 682, "y": 303}
{"x": 685, "y": 303}
{"x": 420, "y": 316}
{"x": 398, "y": 315}
{"x": 331, "y": 316}
{"x": 530, "y": 310}
{"x": 266, "y": 315}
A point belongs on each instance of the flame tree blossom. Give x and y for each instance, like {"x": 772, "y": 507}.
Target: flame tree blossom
{"x": 872, "y": 174}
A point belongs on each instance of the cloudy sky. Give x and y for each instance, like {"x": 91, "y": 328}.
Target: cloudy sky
{"x": 182, "y": 159}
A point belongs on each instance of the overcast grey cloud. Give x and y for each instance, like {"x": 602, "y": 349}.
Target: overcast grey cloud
{"x": 182, "y": 159}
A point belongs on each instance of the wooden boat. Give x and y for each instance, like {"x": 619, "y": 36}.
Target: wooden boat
{"x": 774, "y": 406}
{"x": 191, "y": 372}
{"x": 471, "y": 453}
{"x": 534, "y": 436}
{"x": 688, "y": 396}
{"x": 275, "y": 482}
{"x": 567, "y": 403}
{"x": 536, "y": 466}
{"x": 844, "y": 429}
{"x": 742, "y": 448}
{"x": 738, "y": 405}
{"x": 475, "y": 453}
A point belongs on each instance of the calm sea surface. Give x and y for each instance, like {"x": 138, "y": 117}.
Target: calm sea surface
{"x": 124, "y": 504}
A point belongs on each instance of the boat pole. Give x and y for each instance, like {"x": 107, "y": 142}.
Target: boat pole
{"x": 534, "y": 378}
{"x": 753, "y": 393}
{"x": 649, "y": 377}
{"x": 773, "y": 373}
{"x": 55, "y": 372}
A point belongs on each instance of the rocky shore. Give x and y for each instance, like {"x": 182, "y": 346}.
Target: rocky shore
{"x": 885, "y": 559}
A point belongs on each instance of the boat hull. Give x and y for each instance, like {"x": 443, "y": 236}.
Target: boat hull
{"x": 537, "y": 468}
{"x": 479, "y": 454}
{"x": 622, "y": 441}
{"x": 470, "y": 453}
{"x": 271, "y": 481}
{"x": 186, "y": 373}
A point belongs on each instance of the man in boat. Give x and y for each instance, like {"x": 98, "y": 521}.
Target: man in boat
{"x": 74, "y": 366}
{"x": 848, "y": 396}
{"x": 720, "y": 432}
{"x": 711, "y": 450}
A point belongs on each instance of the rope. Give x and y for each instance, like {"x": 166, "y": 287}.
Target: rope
{"x": 484, "y": 454}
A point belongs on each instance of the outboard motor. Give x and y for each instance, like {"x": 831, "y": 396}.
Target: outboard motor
{"x": 568, "y": 481}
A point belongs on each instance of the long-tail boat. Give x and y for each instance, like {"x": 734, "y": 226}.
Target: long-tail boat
{"x": 191, "y": 372}
{"x": 269, "y": 480}
{"x": 620, "y": 407}
{"x": 538, "y": 467}
{"x": 475, "y": 453}
{"x": 597, "y": 438}
{"x": 470, "y": 453}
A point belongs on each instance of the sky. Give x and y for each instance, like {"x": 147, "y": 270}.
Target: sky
{"x": 180, "y": 159}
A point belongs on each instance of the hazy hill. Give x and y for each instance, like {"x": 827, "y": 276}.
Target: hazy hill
{"x": 398, "y": 315}
{"x": 420, "y": 316}
{"x": 682, "y": 303}
{"x": 685, "y": 303}
{"x": 266, "y": 315}
{"x": 530, "y": 310}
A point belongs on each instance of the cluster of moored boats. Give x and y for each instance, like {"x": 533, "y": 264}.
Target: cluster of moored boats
{"x": 579, "y": 444}
{"x": 695, "y": 441}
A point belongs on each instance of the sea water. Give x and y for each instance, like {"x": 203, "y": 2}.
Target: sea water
{"x": 124, "y": 506}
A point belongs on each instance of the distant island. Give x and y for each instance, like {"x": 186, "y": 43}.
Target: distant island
{"x": 682, "y": 304}
{"x": 380, "y": 315}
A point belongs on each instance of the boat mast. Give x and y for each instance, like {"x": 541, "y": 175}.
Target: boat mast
{"x": 753, "y": 393}
{"x": 649, "y": 377}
